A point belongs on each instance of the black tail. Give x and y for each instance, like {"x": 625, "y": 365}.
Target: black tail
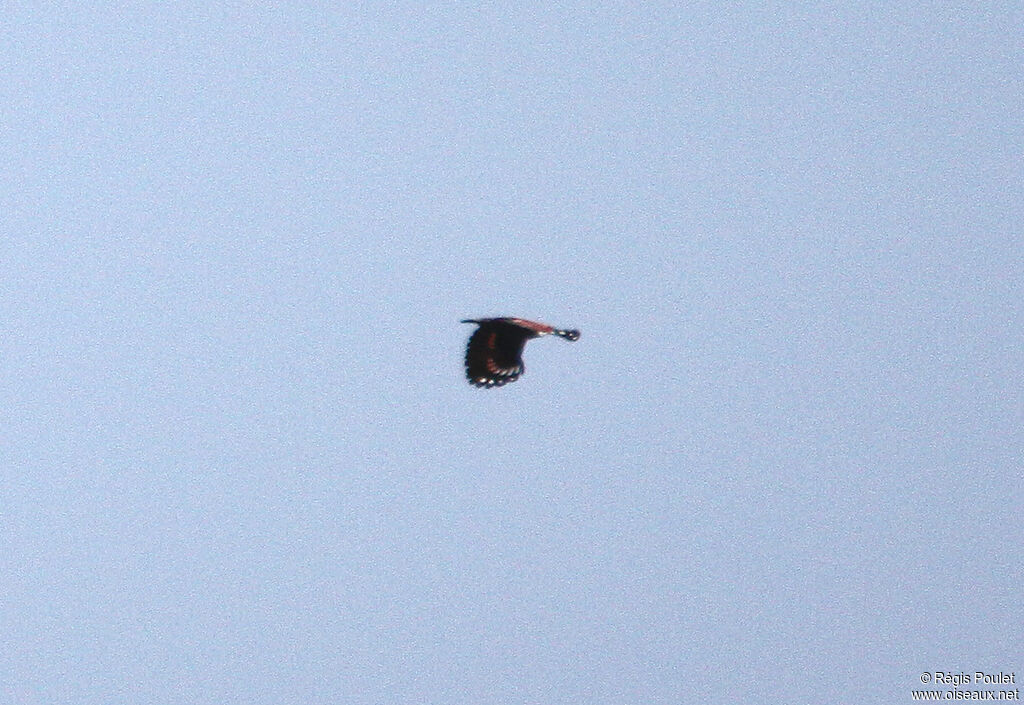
{"x": 570, "y": 335}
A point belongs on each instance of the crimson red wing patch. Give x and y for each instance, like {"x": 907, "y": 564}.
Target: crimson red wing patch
{"x": 493, "y": 359}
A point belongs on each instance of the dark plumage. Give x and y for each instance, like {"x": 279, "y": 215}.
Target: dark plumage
{"x": 494, "y": 355}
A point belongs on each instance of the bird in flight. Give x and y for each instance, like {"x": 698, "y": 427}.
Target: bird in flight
{"x": 494, "y": 354}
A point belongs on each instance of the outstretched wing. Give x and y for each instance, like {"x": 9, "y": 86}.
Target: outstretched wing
{"x": 494, "y": 355}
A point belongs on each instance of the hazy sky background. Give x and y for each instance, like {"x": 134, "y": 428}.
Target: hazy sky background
{"x": 241, "y": 463}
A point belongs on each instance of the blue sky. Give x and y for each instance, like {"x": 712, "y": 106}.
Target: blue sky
{"x": 242, "y": 463}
